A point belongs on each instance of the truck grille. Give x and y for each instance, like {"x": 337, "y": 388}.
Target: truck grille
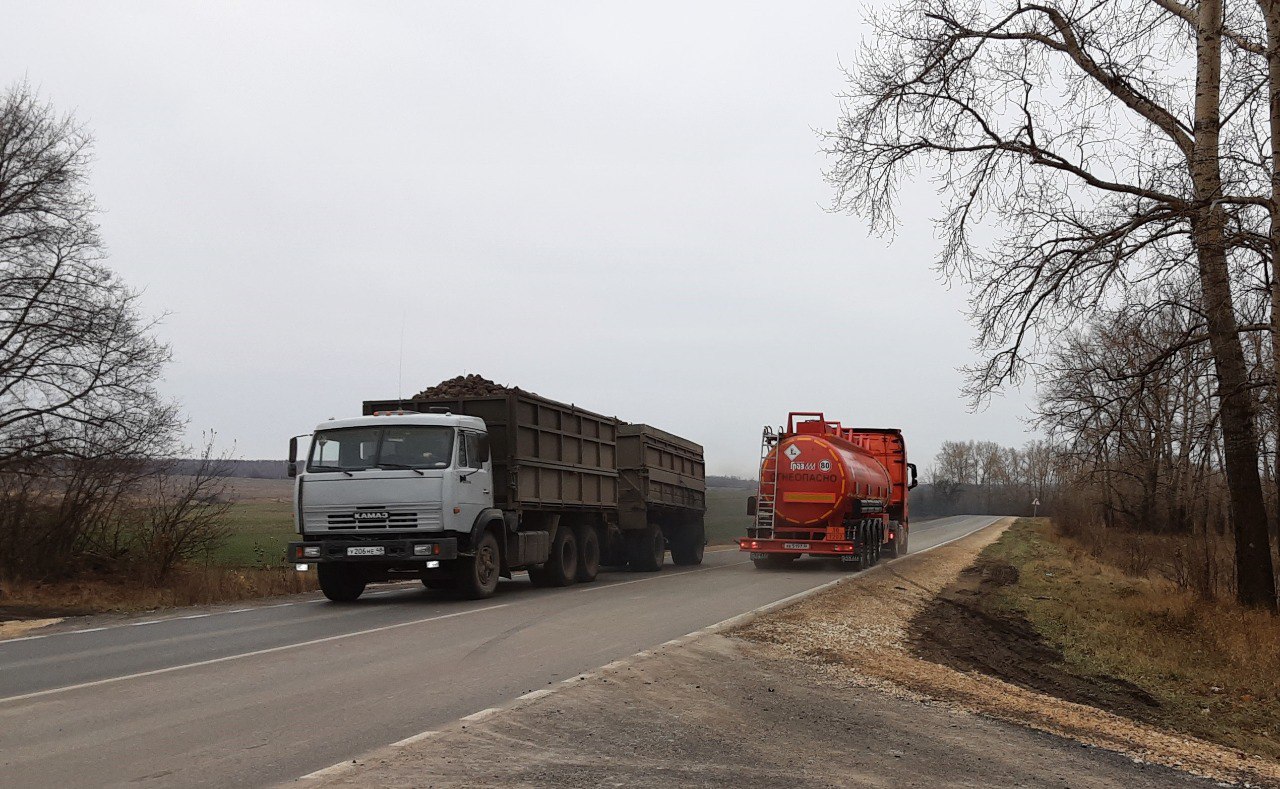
{"x": 399, "y": 518}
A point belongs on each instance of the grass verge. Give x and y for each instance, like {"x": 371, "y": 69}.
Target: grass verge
{"x": 193, "y": 586}
{"x": 1090, "y": 632}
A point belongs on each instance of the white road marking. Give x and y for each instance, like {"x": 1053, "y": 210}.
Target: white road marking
{"x": 255, "y": 653}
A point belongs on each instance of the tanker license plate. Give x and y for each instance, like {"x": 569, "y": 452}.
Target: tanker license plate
{"x": 374, "y": 550}
{"x": 796, "y": 546}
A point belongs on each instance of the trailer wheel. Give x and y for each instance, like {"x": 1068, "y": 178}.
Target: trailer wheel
{"x": 341, "y": 582}
{"x": 904, "y": 534}
{"x": 646, "y": 549}
{"x": 478, "y": 575}
{"x": 689, "y": 545}
{"x": 561, "y": 568}
{"x": 588, "y": 553}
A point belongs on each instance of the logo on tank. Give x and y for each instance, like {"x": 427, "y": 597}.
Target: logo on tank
{"x": 792, "y": 452}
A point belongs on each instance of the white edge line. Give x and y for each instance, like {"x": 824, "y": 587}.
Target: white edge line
{"x": 530, "y": 697}
{"x": 255, "y": 653}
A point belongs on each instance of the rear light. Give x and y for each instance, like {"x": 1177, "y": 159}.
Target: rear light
{"x": 755, "y": 544}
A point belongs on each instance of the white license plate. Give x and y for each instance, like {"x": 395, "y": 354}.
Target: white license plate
{"x": 375, "y": 550}
{"x": 796, "y": 546}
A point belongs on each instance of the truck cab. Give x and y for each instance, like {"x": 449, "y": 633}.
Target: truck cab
{"x": 389, "y": 494}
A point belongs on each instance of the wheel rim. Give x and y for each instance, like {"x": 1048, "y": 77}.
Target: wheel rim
{"x": 486, "y": 565}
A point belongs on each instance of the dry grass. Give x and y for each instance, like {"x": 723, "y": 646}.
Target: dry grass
{"x": 1213, "y": 666}
{"x": 860, "y": 633}
{"x": 192, "y": 586}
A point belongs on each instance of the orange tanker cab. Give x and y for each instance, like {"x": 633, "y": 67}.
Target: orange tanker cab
{"x": 828, "y": 490}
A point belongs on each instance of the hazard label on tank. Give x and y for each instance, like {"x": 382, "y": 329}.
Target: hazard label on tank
{"x": 792, "y": 451}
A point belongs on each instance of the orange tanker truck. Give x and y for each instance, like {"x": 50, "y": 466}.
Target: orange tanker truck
{"x": 829, "y": 491}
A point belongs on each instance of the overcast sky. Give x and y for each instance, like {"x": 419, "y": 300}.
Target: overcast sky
{"x": 617, "y": 205}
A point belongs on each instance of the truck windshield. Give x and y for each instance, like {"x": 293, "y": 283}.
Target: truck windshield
{"x": 402, "y": 446}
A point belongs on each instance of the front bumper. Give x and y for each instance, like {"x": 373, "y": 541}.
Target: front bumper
{"x": 399, "y": 550}
{"x": 757, "y": 545}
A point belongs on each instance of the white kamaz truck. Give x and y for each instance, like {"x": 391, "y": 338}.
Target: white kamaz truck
{"x": 461, "y": 492}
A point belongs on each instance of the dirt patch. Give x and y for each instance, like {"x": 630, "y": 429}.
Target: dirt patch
{"x": 963, "y": 627}
{"x": 13, "y": 628}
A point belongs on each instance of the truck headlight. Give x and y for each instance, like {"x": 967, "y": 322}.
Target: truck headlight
{"x": 426, "y": 550}
{"x": 311, "y": 551}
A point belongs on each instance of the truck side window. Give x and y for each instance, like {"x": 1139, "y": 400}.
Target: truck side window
{"x": 462, "y": 453}
{"x": 473, "y": 451}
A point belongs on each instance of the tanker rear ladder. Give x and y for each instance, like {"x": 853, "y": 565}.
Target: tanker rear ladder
{"x": 765, "y": 502}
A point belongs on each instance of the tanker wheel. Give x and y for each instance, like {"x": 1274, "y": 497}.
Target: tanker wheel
{"x": 905, "y": 533}
{"x": 646, "y": 549}
{"x": 561, "y": 568}
{"x": 864, "y": 546}
{"x": 689, "y": 545}
{"x": 588, "y": 553}
{"x": 892, "y": 548}
{"x": 776, "y": 562}
{"x": 877, "y": 542}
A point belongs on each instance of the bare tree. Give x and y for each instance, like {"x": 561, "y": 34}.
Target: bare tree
{"x": 1111, "y": 142}
{"x": 78, "y": 362}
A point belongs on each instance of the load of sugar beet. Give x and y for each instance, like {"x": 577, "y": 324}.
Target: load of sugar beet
{"x": 462, "y": 386}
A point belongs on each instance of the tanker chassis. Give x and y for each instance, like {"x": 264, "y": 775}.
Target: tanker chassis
{"x": 829, "y": 491}
{"x": 460, "y": 491}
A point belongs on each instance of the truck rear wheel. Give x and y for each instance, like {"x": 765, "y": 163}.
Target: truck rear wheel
{"x": 892, "y": 547}
{"x": 689, "y": 545}
{"x": 478, "y": 575}
{"x": 646, "y": 549}
{"x": 561, "y": 568}
{"x": 588, "y": 553}
{"x": 341, "y": 582}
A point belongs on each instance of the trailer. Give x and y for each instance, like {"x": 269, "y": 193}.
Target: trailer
{"x": 662, "y": 498}
{"x": 829, "y": 491}
{"x": 461, "y": 491}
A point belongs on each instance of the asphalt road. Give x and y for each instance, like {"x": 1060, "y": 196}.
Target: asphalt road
{"x": 250, "y": 696}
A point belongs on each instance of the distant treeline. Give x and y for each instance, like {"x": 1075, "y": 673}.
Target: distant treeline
{"x": 251, "y": 469}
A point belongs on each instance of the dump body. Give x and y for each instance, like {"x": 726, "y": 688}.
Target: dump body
{"x": 546, "y": 455}
{"x": 828, "y": 490}
{"x": 661, "y": 476}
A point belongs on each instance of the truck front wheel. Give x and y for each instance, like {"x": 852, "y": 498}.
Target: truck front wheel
{"x": 341, "y": 582}
{"x": 478, "y": 574}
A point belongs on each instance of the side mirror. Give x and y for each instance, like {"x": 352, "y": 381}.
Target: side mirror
{"x": 752, "y": 503}
{"x": 912, "y": 468}
{"x": 293, "y": 457}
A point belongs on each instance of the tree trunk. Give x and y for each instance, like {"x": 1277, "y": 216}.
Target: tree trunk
{"x": 1255, "y": 581}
